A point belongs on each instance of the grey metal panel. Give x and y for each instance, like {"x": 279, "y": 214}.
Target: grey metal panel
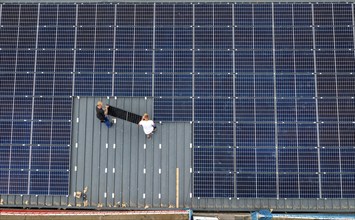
{"x": 133, "y": 1}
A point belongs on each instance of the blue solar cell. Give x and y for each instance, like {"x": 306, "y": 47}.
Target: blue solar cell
{"x": 63, "y": 85}
{"x": 65, "y": 37}
{"x": 25, "y": 61}
{"x": 223, "y": 14}
{"x": 204, "y": 159}
{"x": 303, "y": 37}
{"x": 84, "y": 61}
{"x": 182, "y": 38}
{"x": 265, "y": 160}
{"x": 204, "y": 61}
{"x": 223, "y": 61}
{"x": 243, "y": 37}
{"x": 4, "y": 181}
{"x": 305, "y": 86}
{"x": 20, "y": 157}
{"x": 223, "y": 38}
{"x": 164, "y": 61}
{"x": 203, "y": 14}
{"x": 143, "y": 61}
{"x": 18, "y": 182}
{"x": 144, "y": 14}
{"x": 309, "y": 185}
{"x": 164, "y": 38}
{"x": 42, "y": 109}
{"x": 163, "y": 85}
{"x": 223, "y": 85}
{"x": 264, "y": 110}
{"x": 246, "y": 185}
{"x": 105, "y": 15}
{"x": 264, "y": 85}
{"x": 27, "y": 37}
{"x": 86, "y": 14}
{"x": 323, "y": 14}
{"x": 342, "y": 14}
{"x": 83, "y": 84}
{"x": 48, "y": 15}
{"x": 244, "y": 62}
{"x": 66, "y": 14}
{"x": 163, "y": 109}
{"x": 288, "y": 186}
{"x": 328, "y": 182}
{"x": 21, "y": 132}
{"x": 183, "y": 14}
{"x": 302, "y": 14}
{"x": 327, "y": 110}
{"x": 204, "y": 85}
{"x": 348, "y": 185}
{"x": 306, "y": 111}
{"x": 7, "y": 81}
{"x": 6, "y": 130}
{"x": 164, "y": 14}
{"x": 283, "y": 15}
{"x": 39, "y": 182}
{"x": 243, "y": 14}
{"x": 244, "y": 85}
{"x": 124, "y": 61}
{"x": 223, "y": 134}
{"x": 245, "y": 160}
{"x": 343, "y": 38}
{"x": 263, "y": 38}
{"x": 102, "y": 84}
{"x": 329, "y": 160}
{"x": 29, "y": 13}
{"x": 346, "y": 108}
{"x": 245, "y": 135}
{"x": 104, "y": 38}
{"x": 124, "y": 38}
{"x": 223, "y": 111}
{"x": 265, "y": 135}
{"x": 308, "y": 160}
{"x": 22, "y": 108}
{"x": 203, "y": 39}
{"x": 45, "y": 61}
{"x": 263, "y": 61}
{"x": 326, "y": 85}
{"x": 24, "y": 84}
{"x": 62, "y": 108}
{"x": 183, "y": 61}
{"x": 285, "y": 86}
{"x": 324, "y": 38}
{"x": 203, "y": 133}
{"x": 61, "y": 133}
{"x": 304, "y": 62}
{"x": 286, "y": 110}
{"x": 345, "y": 62}
{"x": 8, "y": 37}
{"x": 284, "y": 62}
{"x": 203, "y": 185}
{"x": 183, "y": 85}
{"x": 262, "y": 14}
{"x": 4, "y": 159}
{"x": 60, "y": 158}
{"x": 46, "y": 37}
{"x": 103, "y": 61}
{"x": 40, "y": 157}
{"x": 6, "y": 110}
{"x": 183, "y": 109}
{"x": 125, "y": 14}
{"x": 347, "y": 162}
{"x": 245, "y": 111}
{"x": 10, "y": 14}
{"x": 85, "y": 38}
{"x": 204, "y": 109}
{"x": 143, "y": 38}
{"x": 328, "y": 135}
{"x": 287, "y": 136}
{"x": 283, "y": 37}
{"x": 123, "y": 85}
{"x": 307, "y": 135}
{"x": 224, "y": 185}
{"x": 41, "y": 134}
{"x": 266, "y": 185}
{"x": 58, "y": 184}
{"x": 287, "y": 160}
{"x": 142, "y": 85}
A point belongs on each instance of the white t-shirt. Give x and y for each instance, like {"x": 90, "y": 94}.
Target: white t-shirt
{"x": 148, "y": 126}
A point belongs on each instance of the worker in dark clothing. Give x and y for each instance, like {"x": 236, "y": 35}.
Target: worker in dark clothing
{"x": 101, "y": 114}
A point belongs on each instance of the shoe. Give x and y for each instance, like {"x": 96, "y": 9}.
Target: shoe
{"x": 149, "y": 136}
{"x": 111, "y": 123}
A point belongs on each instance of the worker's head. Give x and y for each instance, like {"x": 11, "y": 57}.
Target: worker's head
{"x": 145, "y": 117}
{"x": 99, "y": 104}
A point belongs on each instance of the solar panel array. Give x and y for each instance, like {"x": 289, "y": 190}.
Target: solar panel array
{"x": 268, "y": 87}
